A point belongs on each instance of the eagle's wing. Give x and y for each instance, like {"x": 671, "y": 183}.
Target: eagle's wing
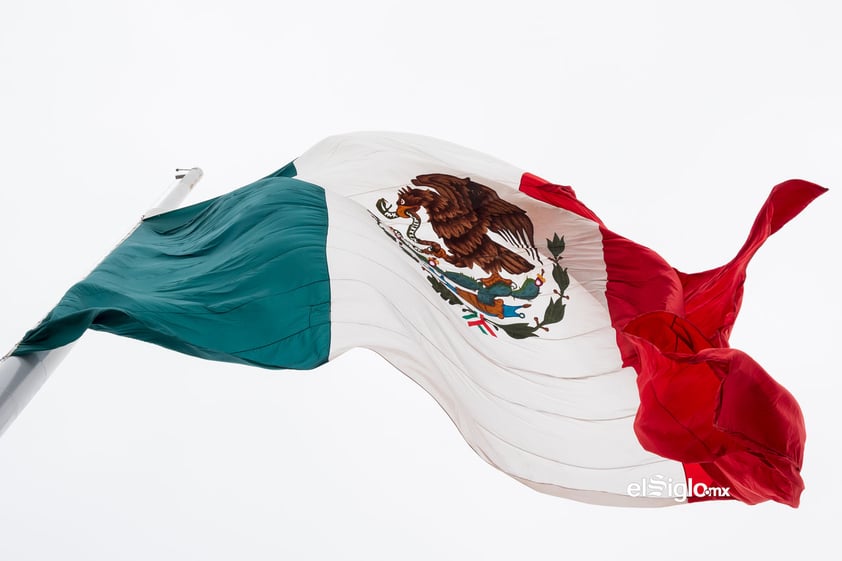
{"x": 504, "y": 218}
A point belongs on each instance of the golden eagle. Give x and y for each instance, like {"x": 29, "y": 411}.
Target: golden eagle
{"x": 461, "y": 213}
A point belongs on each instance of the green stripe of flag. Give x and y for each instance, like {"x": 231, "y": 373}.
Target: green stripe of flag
{"x": 240, "y": 278}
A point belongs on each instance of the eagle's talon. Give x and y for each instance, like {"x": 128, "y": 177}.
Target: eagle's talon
{"x": 494, "y": 279}
{"x": 434, "y": 249}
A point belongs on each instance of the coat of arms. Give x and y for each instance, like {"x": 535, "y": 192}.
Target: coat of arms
{"x": 493, "y": 279}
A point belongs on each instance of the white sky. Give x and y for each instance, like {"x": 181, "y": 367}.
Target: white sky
{"x": 671, "y": 123}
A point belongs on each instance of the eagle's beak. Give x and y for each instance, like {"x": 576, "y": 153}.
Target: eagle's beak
{"x": 404, "y": 211}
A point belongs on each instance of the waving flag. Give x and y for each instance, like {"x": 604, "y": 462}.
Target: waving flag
{"x": 574, "y": 360}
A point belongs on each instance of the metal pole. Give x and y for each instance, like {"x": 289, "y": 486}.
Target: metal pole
{"x": 22, "y": 376}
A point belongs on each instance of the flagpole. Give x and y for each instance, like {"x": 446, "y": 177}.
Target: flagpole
{"x": 22, "y": 376}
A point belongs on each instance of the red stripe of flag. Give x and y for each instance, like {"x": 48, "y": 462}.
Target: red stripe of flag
{"x": 701, "y": 403}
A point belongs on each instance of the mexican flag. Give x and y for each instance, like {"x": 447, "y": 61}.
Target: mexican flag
{"x": 574, "y": 360}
